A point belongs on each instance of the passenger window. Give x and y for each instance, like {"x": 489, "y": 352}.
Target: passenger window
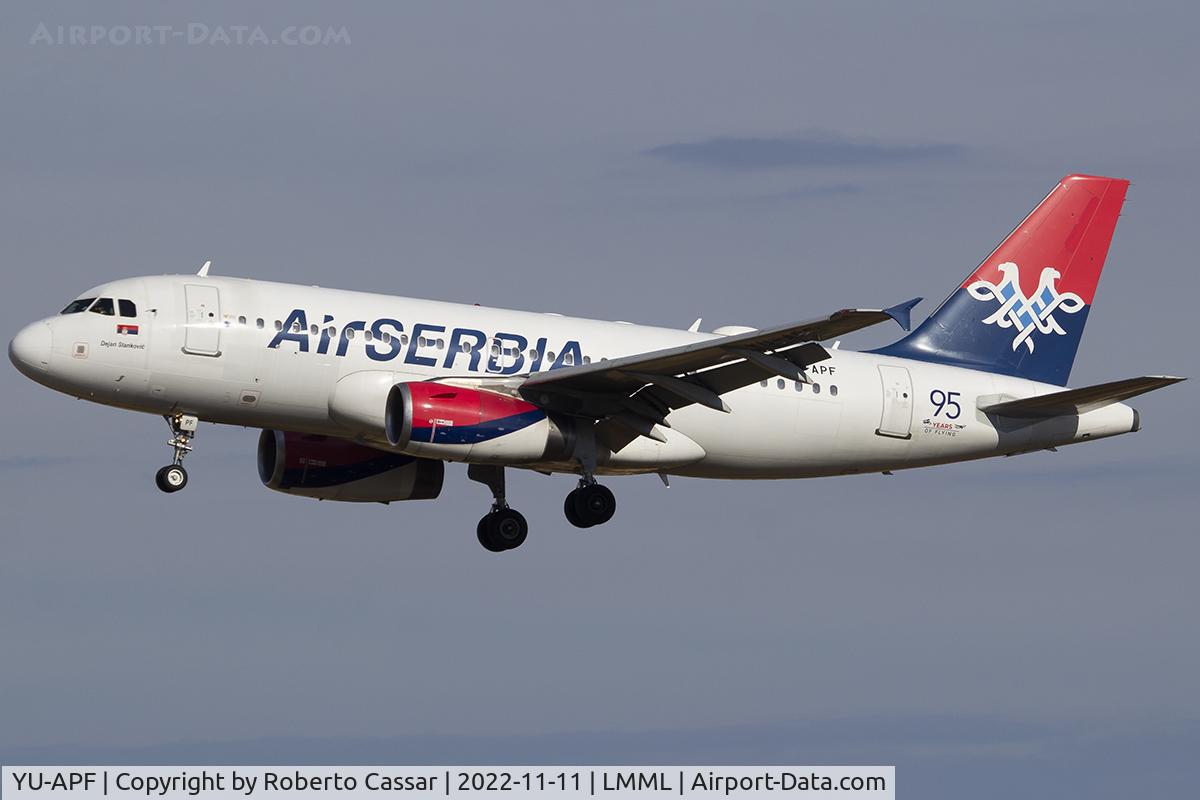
{"x": 259, "y": 322}
{"x": 127, "y": 308}
{"x": 241, "y": 320}
{"x": 76, "y": 306}
{"x": 550, "y": 356}
{"x": 278, "y": 325}
{"x": 587, "y": 359}
{"x": 103, "y": 306}
{"x": 780, "y": 383}
{"x": 832, "y": 391}
{"x": 799, "y": 386}
{"x": 441, "y": 344}
{"x": 816, "y": 388}
{"x": 763, "y": 384}
{"x": 387, "y": 338}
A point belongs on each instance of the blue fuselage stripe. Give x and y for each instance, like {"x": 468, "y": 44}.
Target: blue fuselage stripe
{"x": 473, "y": 434}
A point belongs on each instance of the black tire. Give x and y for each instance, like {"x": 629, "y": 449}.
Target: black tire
{"x": 570, "y": 512}
{"x": 171, "y": 478}
{"x": 483, "y": 533}
{"x": 507, "y": 527}
{"x": 595, "y": 504}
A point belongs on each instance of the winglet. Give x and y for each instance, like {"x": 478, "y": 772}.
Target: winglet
{"x": 203, "y": 272}
{"x": 902, "y": 313}
{"x": 695, "y": 326}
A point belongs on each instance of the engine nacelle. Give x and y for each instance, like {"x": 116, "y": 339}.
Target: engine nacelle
{"x": 437, "y": 420}
{"x": 335, "y": 469}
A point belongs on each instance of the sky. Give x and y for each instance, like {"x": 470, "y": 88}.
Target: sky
{"x": 1022, "y": 624}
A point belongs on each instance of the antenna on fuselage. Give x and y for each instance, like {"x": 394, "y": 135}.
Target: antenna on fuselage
{"x": 203, "y": 273}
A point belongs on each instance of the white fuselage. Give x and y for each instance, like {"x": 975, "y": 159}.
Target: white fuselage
{"x": 859, "y": 412}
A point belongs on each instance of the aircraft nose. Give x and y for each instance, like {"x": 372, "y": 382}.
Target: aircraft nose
{"x": 29, "y": 351}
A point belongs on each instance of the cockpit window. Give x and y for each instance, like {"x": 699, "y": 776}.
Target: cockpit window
{"x": 103, "y": 306}
{"x": 79, "y": 305}
{"x": 128, "y": 309}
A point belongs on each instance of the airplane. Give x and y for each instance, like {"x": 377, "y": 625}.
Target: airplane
{"x": 364, "y": 397}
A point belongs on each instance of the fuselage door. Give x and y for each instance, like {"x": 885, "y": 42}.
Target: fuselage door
{"x": 896, "y": 419}
{"x": 202, "y": 336}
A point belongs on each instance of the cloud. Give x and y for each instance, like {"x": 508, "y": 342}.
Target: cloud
{"x": 804, "y": 193}
{"x": 31, "y": 462}
{"x": 814, "y": 149}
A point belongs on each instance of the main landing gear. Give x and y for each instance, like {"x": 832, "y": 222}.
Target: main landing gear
{"x": 502, "y": 528}
{"x": 173, "y": 477}
{"x": 589, "y": 504}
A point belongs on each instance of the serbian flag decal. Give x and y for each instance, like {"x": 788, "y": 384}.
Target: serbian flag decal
{"x": 126, "y": 329}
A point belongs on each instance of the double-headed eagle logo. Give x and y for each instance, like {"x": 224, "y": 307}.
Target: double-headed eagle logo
{"x": 1025, "y": 314}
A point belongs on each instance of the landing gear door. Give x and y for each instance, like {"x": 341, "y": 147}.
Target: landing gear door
{"x": 896, "y": 419}
{"x": 202, "y": 336}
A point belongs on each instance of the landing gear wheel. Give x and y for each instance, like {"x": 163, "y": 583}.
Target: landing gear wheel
{"x": 595, "y": 504}
{"x": 570, "y": 512}
{"x": 502, "y": 529}
{"x": 171, "y": 478}
{"x": 485, "y": 538}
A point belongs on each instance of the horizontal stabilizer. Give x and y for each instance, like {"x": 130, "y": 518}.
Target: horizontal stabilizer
{"x": 1079, "y": 401}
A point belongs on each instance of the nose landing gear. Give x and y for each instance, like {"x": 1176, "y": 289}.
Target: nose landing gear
{"x": 173, "y": 477}
{"x": 502, "y": 528}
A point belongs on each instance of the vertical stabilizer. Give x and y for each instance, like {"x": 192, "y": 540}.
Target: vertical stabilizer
{"x": 1022, "y": 311}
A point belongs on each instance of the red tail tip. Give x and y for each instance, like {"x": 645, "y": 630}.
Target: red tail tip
{"x": 1069, "y": 232}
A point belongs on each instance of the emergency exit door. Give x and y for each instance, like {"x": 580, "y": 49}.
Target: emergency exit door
{"x": 202, "y": 335}
{"x": 896, "y": 419}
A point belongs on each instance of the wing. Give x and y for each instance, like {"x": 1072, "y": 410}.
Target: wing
{"x": 1078, "y": 401}
{"x": 631, "y": 395}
